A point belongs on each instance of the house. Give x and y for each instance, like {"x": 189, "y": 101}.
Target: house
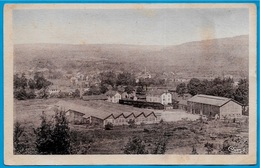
{"x": 124, "y": 95}
{"x": 214, "y": 106}
{"x": 53, "y": 90}
{"x": 131, "y": 96}
{"x": 113, "y": 96}
{"x": 159, "y": 96}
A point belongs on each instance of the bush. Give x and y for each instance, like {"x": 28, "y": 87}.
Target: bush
{"x": 194, "y": 150}
{"x": 19, "y": 146}
{"x": 131, "y": 123}
{"x": 209, "y": 147}
{"x": 135, "y": 146}
{"x": 109, "y": 126}
{"x": 225, "y": 148}
{"x": 53, "y": 137}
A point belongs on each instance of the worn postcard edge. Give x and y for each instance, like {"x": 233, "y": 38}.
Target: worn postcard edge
{"x": 11, "y": 159}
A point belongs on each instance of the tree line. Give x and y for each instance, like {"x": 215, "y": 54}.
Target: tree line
{"x": 217, "y": 87}
{"x": 123, "y": 81}
{"x": 25, "y": 88}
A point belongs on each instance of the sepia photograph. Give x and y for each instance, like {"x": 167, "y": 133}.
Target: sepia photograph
{"x": 117, "y": 84}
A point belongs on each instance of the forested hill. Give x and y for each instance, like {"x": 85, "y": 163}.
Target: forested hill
{"x": 226, "y": 54}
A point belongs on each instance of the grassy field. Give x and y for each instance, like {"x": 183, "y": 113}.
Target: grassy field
{"x": 180, "y": 131}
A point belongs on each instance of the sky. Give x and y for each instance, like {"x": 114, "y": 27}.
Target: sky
{"x": 127, "y": 26}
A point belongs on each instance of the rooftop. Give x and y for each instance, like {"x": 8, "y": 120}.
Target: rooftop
{"x": 211, "y": 100}
{"x": 157, "y": 92}
{"x": 99, "y": 113}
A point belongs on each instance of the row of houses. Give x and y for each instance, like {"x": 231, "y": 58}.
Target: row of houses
{"x": 78, "y": 114}
{"x": 156, "y": 96}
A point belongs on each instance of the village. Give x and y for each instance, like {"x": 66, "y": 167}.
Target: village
{"x": 107, "y": 108}
{"x": 155, "y": 98}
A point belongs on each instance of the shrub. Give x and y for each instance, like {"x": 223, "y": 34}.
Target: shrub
{"x": 225, "y": 148}
{"x": 194, "y": 150}
{"x": 109, "y": 126}
{"x": 160, "y": 147}
{"x": 135, "y": 146}
{"x": 19, "y": 146}
{"x": 209, "y": 147}
{"x": 131, "y": 123}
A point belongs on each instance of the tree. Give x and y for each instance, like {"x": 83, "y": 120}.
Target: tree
{"x": 76, "y": 93}
{"x": 61, "y": 134}
{"x": 209, "y": 147}
{"x": 194, "y": 150}
{"x": 181, "y": 89}
{"x": 140, "y": 90}
{"x": 108, "y": 78}
{"x": 44, "y": 143}
{"x": 16, "y": 81}
{"x": 242, "y": 91}
{"x": 19, "y": 146}
{"x": 194, "y": 86}
{"x": 129, "y": 89}
{"x": 20, "y": 94}
{"x": 31, "y": 84}
{"x": 125, "y": 79}
{"x": 135, "y": 146}
{"x": 93, "y": 90}
{"x": 40, "y": 81}
{"x": 23, "y": 81}
{"x": 53, "y": 137}
{"x": 104, "y": 88}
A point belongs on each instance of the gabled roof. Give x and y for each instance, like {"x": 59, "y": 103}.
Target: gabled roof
{"x": 111, "y": 93}
{"x": 157, "y": 92}
{"x": 87, "y": 111}
{"x": 211, "y": 100}
{"x": 102, "y": 114}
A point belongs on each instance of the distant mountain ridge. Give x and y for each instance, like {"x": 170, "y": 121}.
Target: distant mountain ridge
{"x": 229, "y": 54}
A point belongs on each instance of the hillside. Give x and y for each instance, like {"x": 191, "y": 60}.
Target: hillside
{"x": 226, "y": 54}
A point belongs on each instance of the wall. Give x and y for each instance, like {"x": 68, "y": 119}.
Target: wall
{"x": 166, "y": 98}
{"x": 203, "y": 109}
{"x": 231, "y": 110}
{"x": 74, "y": 117}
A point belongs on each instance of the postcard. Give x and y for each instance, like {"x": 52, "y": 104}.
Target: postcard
{"x": 129, "y": 84}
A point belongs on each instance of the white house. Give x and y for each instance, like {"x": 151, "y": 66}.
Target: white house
{"x": 113, "y": 96}
{"x": 159, "y": 96}
{"x": 53, "y": 90}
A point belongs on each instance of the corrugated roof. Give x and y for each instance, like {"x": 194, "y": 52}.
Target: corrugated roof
{"x": 102, "y": 114}
{"x": 88, "y": 111}
{"x": 211, "y": 100}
